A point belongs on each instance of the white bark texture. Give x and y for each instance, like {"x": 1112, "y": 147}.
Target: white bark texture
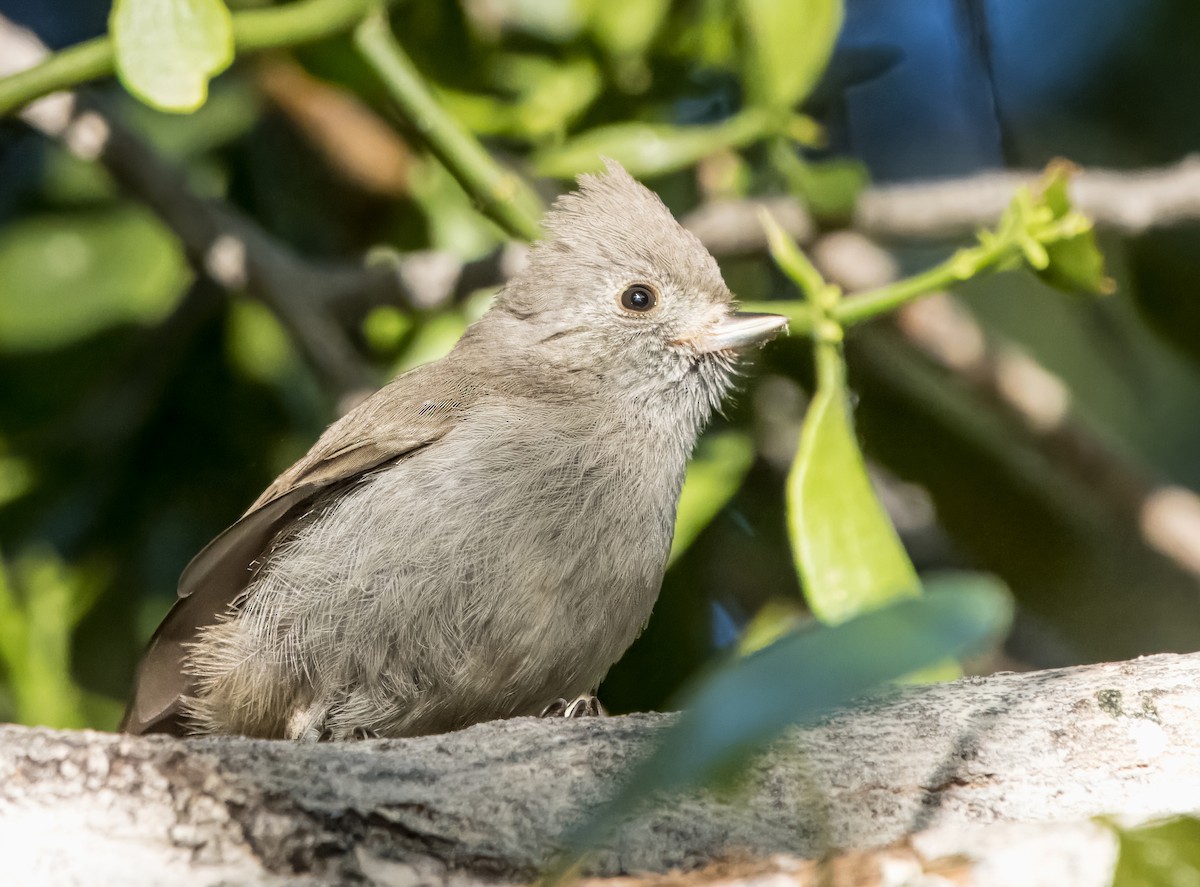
{"x": 1003, "y": 771}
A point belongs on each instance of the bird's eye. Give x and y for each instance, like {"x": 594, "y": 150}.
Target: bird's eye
{"x": 638, "y": 297}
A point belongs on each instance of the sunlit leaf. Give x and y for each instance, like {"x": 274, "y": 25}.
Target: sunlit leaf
{"x": 454, "y": 222}
{"x": 791, "y": 42}
{"x": 743, "y": 706}
{"x": 624, "y": 29}
{"x": 1165, "y": 854}
{"x": 1074, "y": 264}
{"x": 168, "y": 50}
{"x": 647, "y": 149}
{"x": 715, "y": 473}
{"x": 848, "y": 554}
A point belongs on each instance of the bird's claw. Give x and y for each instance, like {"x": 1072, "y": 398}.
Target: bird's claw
{"x": 580, "y": 707}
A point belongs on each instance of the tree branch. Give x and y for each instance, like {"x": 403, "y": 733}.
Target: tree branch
{"x": 1127, "y": 201}
{"x": 941, "y": 766}
{"x": 503, "y": 196}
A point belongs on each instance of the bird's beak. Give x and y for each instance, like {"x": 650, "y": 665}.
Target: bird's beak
{"x": 740, "y": 329}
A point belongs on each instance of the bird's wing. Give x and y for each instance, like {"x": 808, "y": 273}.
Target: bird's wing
{"x": 410, "y": 413}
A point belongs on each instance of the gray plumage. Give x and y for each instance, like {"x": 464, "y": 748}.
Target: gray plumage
{"x": 487, "y": 532}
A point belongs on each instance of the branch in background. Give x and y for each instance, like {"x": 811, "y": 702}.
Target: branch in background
{"x": 1127, "y": 201}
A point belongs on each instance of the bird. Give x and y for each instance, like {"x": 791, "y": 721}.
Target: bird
{"x": 484, "y": 536}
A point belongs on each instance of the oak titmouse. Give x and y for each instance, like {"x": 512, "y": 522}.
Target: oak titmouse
{"x": 488, "y": 532}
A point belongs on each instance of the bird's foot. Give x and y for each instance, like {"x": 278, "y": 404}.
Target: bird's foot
{"x": 311, "y": 724}
{"x": 580, "y": 707}
{"x": 357, "y": 733}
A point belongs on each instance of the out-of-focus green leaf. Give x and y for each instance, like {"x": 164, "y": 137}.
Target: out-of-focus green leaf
{"x": 776, "y": 618}
{"x": 1076, "y": 263}
{"x": 231, "y": 110}
{"x": 791, "y": 42}
{"x": 41, "y": 602}
{"x": 557, "y": 22}
{"x": 168, "y": 50}
{"x": 648, "y": 149}
{"x": 68, "y": 275}
{"x": 16, "y": 476}
{"x": 551, "y": 94}
{"x": 745, "y": 705}
{"x": 627, "y": 27}
{"x": 455, "y": 224}
{"x": 385, "y": 327}
{"x": 433, "y": 339}
{"x": 1165, "y": 854}
{"x": 830, "y": 188}
{"x": 257, "y": 344}
{"x": 849, "y": 555}
{"x": 715, "y": 473}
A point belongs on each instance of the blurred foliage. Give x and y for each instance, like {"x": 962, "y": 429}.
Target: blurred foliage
{"x": 1164, "y": 854}
{"x": 741, "y": 707}
{"x": 142, "y": 409}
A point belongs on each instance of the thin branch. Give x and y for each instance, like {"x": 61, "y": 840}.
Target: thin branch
{"x": 503, "y": 196}
{"x": 1126, "y": 201}
{"x": 76, "y": 64}
{"x": 1013, "y": 385}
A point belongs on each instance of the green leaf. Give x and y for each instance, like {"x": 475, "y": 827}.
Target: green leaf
{"x": 774, "y": 619}
{"x": 68, "y": 275}
{"x": 745, "y": 705}
{"x": 168, "y": 50}
{"x": 848, "y": 554}
{"x": 550, "y": 95}
{"x": 790, "y": 45}
{"x": 41, "y": 602}
{"x": 256, "y": 342}
{"x": 1074, "y": 263}
{"x": 627, "y": 27}
{"x": 648, "y": 149}
{"x": 715, "y": 473}
{"x": 1165, "y": 854}
{"x": 830, "y": 189}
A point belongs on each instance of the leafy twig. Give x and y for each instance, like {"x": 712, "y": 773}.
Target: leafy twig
{"x": 502, "y": 195}
{"x": 253, "y": 29}
{"x": 1041, "y": 232}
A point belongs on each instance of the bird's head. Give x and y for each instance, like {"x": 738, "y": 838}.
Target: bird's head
{"x": 620, "y": 294}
